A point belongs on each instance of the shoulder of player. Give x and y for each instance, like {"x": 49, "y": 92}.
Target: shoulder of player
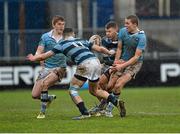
{"x": 141, "y": 32}
{"x": 123, "y": 29}
{"x": 46, "y": 35}
{"x": 104, "y": 39}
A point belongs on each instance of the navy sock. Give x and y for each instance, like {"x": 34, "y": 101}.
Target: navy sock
{"x": 82, "y": 108}
{"x": 44, "y": 99}
{"x": 112, "y": 99}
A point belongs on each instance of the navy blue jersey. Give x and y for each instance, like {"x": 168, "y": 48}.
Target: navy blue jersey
{"x": 77, "y": 50}
{"x": 110, "y": 45}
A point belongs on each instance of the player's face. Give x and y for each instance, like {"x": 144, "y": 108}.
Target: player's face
{"x": 59, "y": 27}
{"x": 130, "y": 26}
{"x": 111, "y": 33}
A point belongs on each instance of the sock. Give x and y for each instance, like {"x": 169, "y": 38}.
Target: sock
{"x": 44, "y": 99}
{"x": 116, "y": 95}
{"x": 110, "y": 106}
{"x": 112, "y": 99}
{"x": 82, "y": 108}
{"x": 102, "y": 104}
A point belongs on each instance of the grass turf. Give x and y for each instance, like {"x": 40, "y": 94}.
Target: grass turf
{"x": 148, "y": 110}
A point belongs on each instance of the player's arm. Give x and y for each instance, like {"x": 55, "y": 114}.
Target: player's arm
{"x": 102, "y": 50}
{"x": 40, "y": 57}
{"x": 40, "y": 50}
{"x": 131, "y": 61}
{"x": 118, "y": 52}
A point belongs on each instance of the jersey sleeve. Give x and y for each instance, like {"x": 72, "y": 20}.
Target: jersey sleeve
{"x": 88, "y": 44}
{"x": 57, "y": 49}
{"x": 142, "y": 42}
{"x": 42, "y": 41}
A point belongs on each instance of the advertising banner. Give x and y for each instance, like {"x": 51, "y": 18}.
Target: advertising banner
{"x": 152, "y": 73}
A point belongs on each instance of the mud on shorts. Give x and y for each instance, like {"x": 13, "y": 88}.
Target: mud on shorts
{"x": 132, "y": 70}
{"x": 105, "y": 70}
{"x": 60, "y": 71}
{"x": 90, "y": 69}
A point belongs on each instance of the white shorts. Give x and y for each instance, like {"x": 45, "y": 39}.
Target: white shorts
{"x": 90, "y": 69}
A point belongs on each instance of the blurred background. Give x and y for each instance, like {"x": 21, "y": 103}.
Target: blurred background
{"x": 22, "y": 22}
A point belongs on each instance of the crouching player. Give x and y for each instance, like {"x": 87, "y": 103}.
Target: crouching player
{"x": 110, "y": 41}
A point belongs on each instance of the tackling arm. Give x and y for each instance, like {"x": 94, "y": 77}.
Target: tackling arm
{"x": 40, "y": 57}
{"x": 131, "y": 61}
{"x": 40, "y": 50}
{"x": 102, "y": 50}
{"x": 118, "y": 51}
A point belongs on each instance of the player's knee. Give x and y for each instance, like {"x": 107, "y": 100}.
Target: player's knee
{"x": 34, "y": 96}
{"x": 119, "y": 85}
{"x": 73, "y": 90}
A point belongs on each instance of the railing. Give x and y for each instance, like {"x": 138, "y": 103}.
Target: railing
{"x": 31, "y": 38}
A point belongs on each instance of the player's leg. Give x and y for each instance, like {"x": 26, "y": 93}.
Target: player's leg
{"x": 54, "y": 76}
{"x": 45, "y": 98}
{"x": 104, "y": 94}
{"x": 37, "y": 88}
{"x": 93, "y": 86}
{"x": 102, "y": 84}
{"x": 76, "y": 83}
{"x": 120, "y": 83}
{"x": 129, "y": 73}
{"x": 36, "y": 91}
{"x": 112, "y": 81}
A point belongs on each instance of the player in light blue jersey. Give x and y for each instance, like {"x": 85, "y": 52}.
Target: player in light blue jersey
{"x": 128, "y": 60}
{"x": 131, "y": 47}
{"x": 53, "y": 68}
{"x": 88, "y": 68}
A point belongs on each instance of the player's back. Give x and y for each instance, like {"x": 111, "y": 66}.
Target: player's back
{"x": 77, "y": 50}
{"x": 48, "y": 42}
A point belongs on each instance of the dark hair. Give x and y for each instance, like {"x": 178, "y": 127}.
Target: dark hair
{"x": 134, "y": 19}
{"x": 111, "y": 24}
{"x": 67, "y": 31}
{"x": 56, "y": 18}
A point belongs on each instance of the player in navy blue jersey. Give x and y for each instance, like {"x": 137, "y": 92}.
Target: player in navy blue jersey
{"x": 110, "y": 41}
{"x": 88, "y": 68}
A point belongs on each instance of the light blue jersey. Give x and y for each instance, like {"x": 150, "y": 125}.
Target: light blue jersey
{"x": 48, "y": 42}
{"x": 131, "y": 42}
{"x": 77, "y": 50}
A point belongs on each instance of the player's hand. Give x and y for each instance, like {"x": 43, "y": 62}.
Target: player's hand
{"x": 30, "y": 57}
{"x": 116, "y": 61}
{"x": 119, "y": 61}
{"x": 116, "y": 67}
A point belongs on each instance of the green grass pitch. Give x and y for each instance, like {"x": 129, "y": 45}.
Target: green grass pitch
{"x": 148, "y": 110}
